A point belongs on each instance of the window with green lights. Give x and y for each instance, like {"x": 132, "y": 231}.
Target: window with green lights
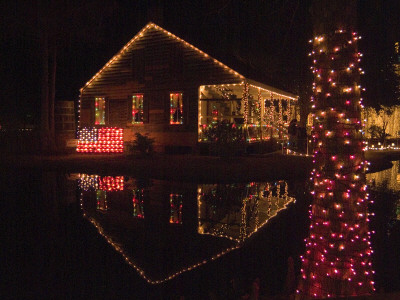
{"x": 176, "y": 108}
{"x": 100, "y": 111}
{"x": 137, "y": 109}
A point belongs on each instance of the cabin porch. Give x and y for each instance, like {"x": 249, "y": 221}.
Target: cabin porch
{"x": 260, "y": 111}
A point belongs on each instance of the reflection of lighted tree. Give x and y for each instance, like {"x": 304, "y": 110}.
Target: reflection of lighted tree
{"x": 337, "y": 262}
{"x": 389, "y": 178}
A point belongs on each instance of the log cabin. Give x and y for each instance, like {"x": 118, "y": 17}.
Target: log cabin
{"x": 161, "y": 85}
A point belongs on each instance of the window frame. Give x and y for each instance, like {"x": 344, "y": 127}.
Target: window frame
{"x": 173, "y": 110}
{"x": 139, "y": 109}
{"x": 103, "y": 116}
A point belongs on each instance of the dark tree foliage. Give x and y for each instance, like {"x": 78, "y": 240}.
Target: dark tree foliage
{"x": 379, "y": 23}
{"x": 143, "y": 144}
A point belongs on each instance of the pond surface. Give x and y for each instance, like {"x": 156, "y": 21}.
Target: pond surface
{"x": 110, "y": 236}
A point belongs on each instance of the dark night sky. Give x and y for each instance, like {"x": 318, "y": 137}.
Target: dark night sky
{"x": 266, "y": 38}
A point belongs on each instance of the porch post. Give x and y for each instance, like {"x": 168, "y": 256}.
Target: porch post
{"x": 272, "y": 112}
{"x": 262, "y": 111}
{"x": 280, "y": 120}
{"x": 245, "y": 105}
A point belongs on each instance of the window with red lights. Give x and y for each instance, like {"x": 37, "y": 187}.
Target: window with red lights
{"x": 176, "y": 108}
{"x": 100, "y": 111}
{"x": 137, "y": 109}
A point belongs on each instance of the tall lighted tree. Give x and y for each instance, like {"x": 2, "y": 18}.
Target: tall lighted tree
{"x": 337, "y": 262}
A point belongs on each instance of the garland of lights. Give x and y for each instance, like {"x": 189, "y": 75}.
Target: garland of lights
{"x": 243, "y": 215}
{"x": 280, "y": 118}
{"x": 245, "y": 100}
{"x": 271, "y": 114}
{"x": 259, "y": 107}
{"x": 288, "y": 111}
{"x": 337, "y": 262}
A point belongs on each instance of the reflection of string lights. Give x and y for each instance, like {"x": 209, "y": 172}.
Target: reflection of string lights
{"x": 275, "y": 195}
{"x": 141, "y": 272}
{"x": 294, "y": 153}
{"x": 280, "y": 189}
{"x": 96, "y": 182}
{"x": 87, "y": 182}
{"x": 109, "y": 183}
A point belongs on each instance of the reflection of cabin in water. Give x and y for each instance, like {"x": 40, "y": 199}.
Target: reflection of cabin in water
{"x": 191, "y": 224}
{"x": 162, "y": 85}
{"x": 237, "y": 211}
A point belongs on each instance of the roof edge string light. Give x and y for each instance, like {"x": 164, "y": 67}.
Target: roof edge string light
{"x": 140, "y": 34}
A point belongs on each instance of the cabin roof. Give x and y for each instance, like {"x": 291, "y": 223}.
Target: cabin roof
{"x": 152, "y": 25}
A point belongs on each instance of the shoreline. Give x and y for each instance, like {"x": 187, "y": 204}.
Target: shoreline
{"x": 272, "y": 166}
{"x": 171, "y": 167}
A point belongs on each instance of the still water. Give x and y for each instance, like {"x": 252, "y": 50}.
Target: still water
{"x": 108, "y": 236}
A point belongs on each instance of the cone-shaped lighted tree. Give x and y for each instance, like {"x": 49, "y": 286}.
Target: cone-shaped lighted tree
{"x": 337, "y": 262}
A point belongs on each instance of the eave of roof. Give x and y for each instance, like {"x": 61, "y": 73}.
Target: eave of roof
{"x": 140, "y": 34}
{"x": 271, "y": 89}
{"x": 152, "y": 25}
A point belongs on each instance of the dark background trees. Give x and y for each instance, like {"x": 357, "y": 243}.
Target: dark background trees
{"x": 266, "y": 39}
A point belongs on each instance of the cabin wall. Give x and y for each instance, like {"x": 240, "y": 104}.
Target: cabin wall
{"x": 155, "y": 65}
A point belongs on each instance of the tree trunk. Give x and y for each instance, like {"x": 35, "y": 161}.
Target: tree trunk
{"x": 44, "y": 116}
{"x": 337, "y": 262}
{"x": 52, "y": 93}
{"x": 48, "y": 49}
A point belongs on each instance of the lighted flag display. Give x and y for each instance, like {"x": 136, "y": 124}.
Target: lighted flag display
{"x": 104, "y": 183}
{"x": 100, "y": 140}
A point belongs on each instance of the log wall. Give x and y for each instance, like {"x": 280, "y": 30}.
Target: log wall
{"x": 156, "y": 64}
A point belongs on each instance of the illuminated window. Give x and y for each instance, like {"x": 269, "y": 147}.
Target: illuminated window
{"x": 101, "y": 197}
{"x": 176, "y": 109}
{"x": 138, "y": 203}
{"x": 175, "y": 201}
{"x": 100, "y": 111}
{"x": 137, "y": 109}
